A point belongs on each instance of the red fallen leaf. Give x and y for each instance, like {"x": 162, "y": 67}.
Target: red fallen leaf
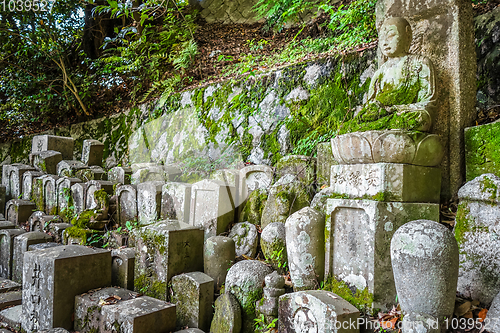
{"x": 482, "y": 315}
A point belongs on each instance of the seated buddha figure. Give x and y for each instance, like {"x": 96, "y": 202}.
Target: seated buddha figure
{"x": 402, "y": 91}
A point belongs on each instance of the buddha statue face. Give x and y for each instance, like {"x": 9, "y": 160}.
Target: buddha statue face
{"x": 395, "y": 37}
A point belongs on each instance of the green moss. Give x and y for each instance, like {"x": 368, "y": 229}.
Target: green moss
{"x": 361, "y": 299}
{"x": 481, "y": 150}
{"x": 78, "y": 233}
{"x": 487, "y": 186}
{"x": 102, "y": 198}
{"x": 150, "y": 286}
{"x": 462, "y": 222}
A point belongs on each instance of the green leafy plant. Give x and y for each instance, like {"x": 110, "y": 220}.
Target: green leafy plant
{"x": 263, "y": 326}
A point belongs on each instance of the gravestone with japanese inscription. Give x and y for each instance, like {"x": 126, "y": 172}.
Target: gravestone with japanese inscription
{"x": 53, "y": 277}
{"x": 28, "y": 181}
{"x": 126, "y": 201}
{"x": 12, "y": 178}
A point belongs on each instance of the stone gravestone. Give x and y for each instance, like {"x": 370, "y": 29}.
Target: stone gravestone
{"x": 219, "y": 255}
{"x": 424, "y": 257}
{"x": 50, "y": 193}
{"x": 163, "y": 250}
{"x": 212, "y": 206}
{"x": 64, "y": 198}
{"x": 22, "y": 243}
{"x": 254, "y": 177}
{"x": 6, "y": 251}
{"x": 79, "y": 196}
{"x": 193, "y": 295}
{"x": 122, "y": 267}
{"x": 19, "y": 211}
{"x": 149, "y": 201}
{"x": 358, "y": 227}
{"x": 12, "y": 177}
{"x": 126, "y": 199}
{"x": 2, "y": 199}
{"x": 245, "y": 281}
{"x": 149, "y": 174}
{"x": 273, "y": 245}
{"x": 269, "y": 304}
{"x": 316, "y": 311}
{"x": 120, "y": 175}
{"x": 230, "y": 177}
{"x": 444, "y": 32}
{"x": 476, "y": 231}
{"x": 46, "y": 161}
{"x": 246, "y": 238}
{"x": 28, "y": 181}
{"x": 92, "y": 201}
{"x": 227, "y": 317}
{"x": 325, "y": 161}
{"x": 64, "y": 145}
{"x": 69, "y": 168}
{"x": 53, "y": 277}
{"x": 176, "y": 201}
{"x": 302, "y": 167}
{"x": 92, "y": 152}
{"x": 305, "y": 239}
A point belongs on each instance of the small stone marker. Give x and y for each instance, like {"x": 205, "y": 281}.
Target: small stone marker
{"x": 273, "y": 245}
{"x": 302, "y": 167}
{"x": 12, "y": 317}
{"x": 246, "y": 238}
{"x": 275, "y": 287}
{"x": 424, "y": 257}
{"x": 92, "y": 152}
{"x": 254, "y": 177}
{"x": 476, "y": 233}
{"x": 11, "y": 298}
{"x": 316, "y": 311}
{"x": 245, "y": 281}
{"x": 122, "y": 267}
{"x": 42, "y": 246}
{"x": 149, "y": 174}
{"x": 69, "y": 168}
{"x": 6, "y": 251}
{"x": 64, "y": 145}
{"x": 193, "y": 294}
{"x": 163, "y": 250}
{"x": 176, "y": 201}
{"x": 219, "y": 255}
{"x": 57, "y": 229}
{"x": 126, "y": 199}
{"x": 28, "y": 181}
{"x": 227, "y": 317}
{"x": 79, "y": 195}
{"x": 53, "y": 277}
{"x": 95, "y": 201}
{"x": 149, "y": 201}
{"x": 21, "y": 245}
{"x": 120, "y": 175}
{"x": 50, "y": 194}
{"x": 325, "y": 161}
{"x": 64, "y": 198}
{"x": 88, "y": 307}
{"x": 212, "y": 206}
{"x": 12, "y": 178}
{"x": 7, "y": 285}
{"x": 251, "y": 210}
{"x": 230, "y": 177}
{"x": 142, "y": 314}
{"x": 305, "y": 239}
{"x": 19, "y": 211}
{"x": 46, "y": 161}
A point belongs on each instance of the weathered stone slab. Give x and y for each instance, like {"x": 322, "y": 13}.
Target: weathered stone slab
{"x": 92, "y": 152}
{"x": 21, "y": 245}
{"x": 79, "y": 196}
{"x": 268, "y": 305}
{"x": 69, "y": 168}
{"x": 492, "y": 322}
{"x": 28, "y": 182}
{"x": 39, "y": 221}
{"x": 251, "y": 209}
{"x": 245, "y": 281}
{"x": 9, "y": 299}
{"x": 12, "y": 177}
{"x": 2, "y": 199}
{"x": 89, "y": 306}
{"x": 50, "y": 193}
{"x": 7, "y": 225}
{"x": 193, "y": 295}
{"x": 163, "y": 250}
{"x": 53, "y": 277}
{"x": 219, "y": 256}
{"x": 424, "y": 257}
{"x": 230, "y": 177}
{"x": 227, "y": 317}
{"x": 7, "y": 250}
{"x": 273, "y": 245}
{"x": 64, "y": 198}
{"x": 120, "y": 175}
{"x": 126, "y": 199}
{"x": 55, "y": 330}
{"x": 476, "y": 231}
{"x": 316, "y": 311}
{"x": 57, "y": 229}
{"x": 212, "y": 206}
{"x": 246, "y": 238}
{"x": 46, "y": 161}
{"x": 149, "y": 174}
{"x": 325, "y": 161}
{"x": 19, "y": 211}
{"x": 7, "y": 285}
{"x": 43, "y": 246}
{"x": 176, "y": 201}
{"x": 12, "y": 317}
{"x": 305, "y": 239}
{"x": 149, "y": 201}
{"x": 357, "y": 227}
{"x": 454, "y": 58}
{"x": 122, "y": 267}
{"x": 142, "y": 314}
{"x": 93, "y": 200}
{"x": 387, "y": 181}
{"x": 254, "y": 177}
{"x": 302, "y": 167}
{"x": 64, "y": 145}
{"x": 93, "y": 172}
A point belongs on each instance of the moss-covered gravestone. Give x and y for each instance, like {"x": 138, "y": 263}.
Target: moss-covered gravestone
{"x": 246, "y": 238}
{"x": 64, "y": 145}
{"x": 126, "y": 199}
{"x": 122, "y": 267}
{"x": 176, "y": 201}
{"x": 481, "y": 150}
{"x": 46, "y": 161}
{"x": 69, "y": 168}
{"x": 273, "y": 245}
{"x": 92, "y": 152}
{"x": 6, "y": 251}
{"x": 251, "y": 211}
{"x": 28, "y": 182}
{"x": 120, "y": 175}
{"x": 149, "y": 201}
{"x": 218, "y": 257}
{"x": 19, "y": 211}
{"x": 12, "y": 177}
{"x": 227, "y": 317}
{"x": 21, "y": 244}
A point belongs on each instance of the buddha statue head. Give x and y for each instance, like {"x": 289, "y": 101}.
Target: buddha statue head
{"x": 395, "y": 37}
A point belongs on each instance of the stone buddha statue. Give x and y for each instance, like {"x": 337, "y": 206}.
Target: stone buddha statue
{"x": 399, "y": 110}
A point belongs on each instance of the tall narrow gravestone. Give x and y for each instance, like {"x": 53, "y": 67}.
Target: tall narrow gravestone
{"x": 53, "y": 277}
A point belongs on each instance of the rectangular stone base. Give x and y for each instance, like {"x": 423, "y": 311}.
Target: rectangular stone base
{"x": 358, "y": 237}
{"x": 387, "y": 181}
